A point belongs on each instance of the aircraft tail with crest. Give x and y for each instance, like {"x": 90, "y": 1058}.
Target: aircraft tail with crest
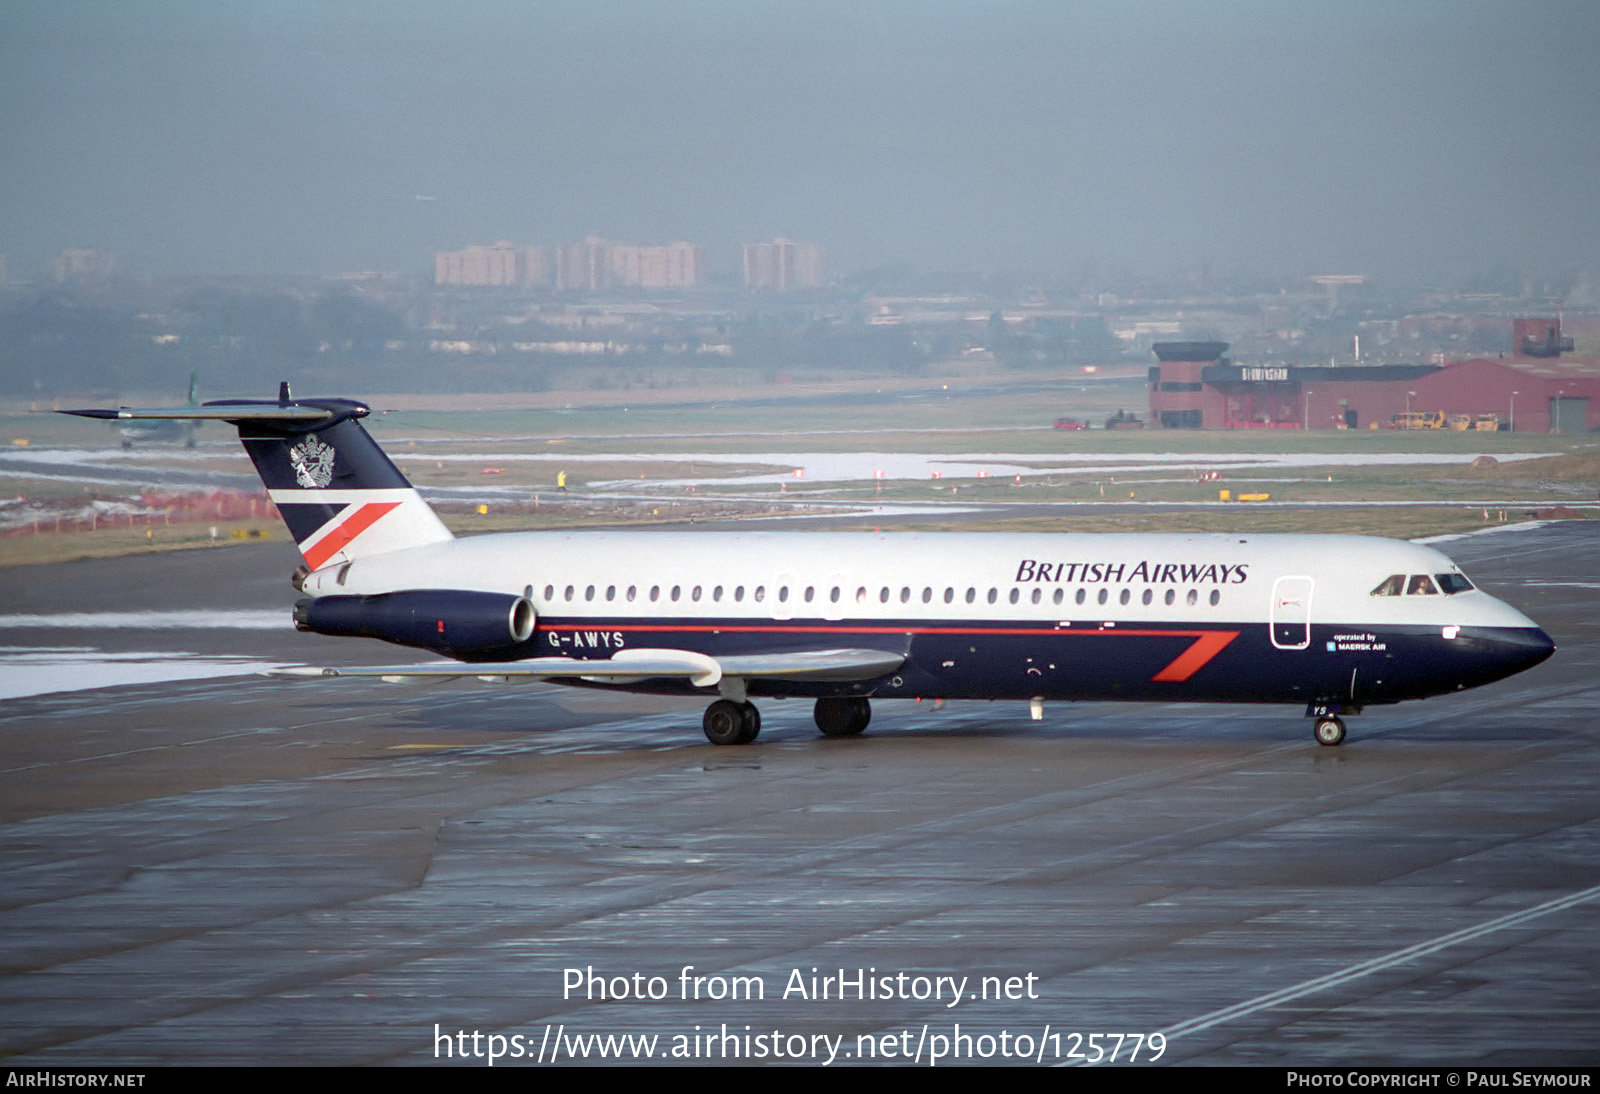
{"x": 340, "y": 495}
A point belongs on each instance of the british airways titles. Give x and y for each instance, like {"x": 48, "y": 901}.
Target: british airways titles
{"x": 1112, "y": 573}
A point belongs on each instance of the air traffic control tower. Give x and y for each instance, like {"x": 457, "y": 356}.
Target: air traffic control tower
{"x": 1177, "y": 390}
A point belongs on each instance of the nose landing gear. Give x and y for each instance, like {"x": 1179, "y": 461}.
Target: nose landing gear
{"x": 1328, "y": 731}
{"x": 1328, "y": 728}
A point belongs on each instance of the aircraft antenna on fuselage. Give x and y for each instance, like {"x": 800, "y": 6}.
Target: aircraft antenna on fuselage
{"x": 283, "y": 392}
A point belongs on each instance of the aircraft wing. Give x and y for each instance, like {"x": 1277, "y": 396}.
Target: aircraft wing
{"x": 626, "y": 666}
{"x": 812, "y": 665}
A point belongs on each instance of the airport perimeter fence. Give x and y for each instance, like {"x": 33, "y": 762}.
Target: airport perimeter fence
{"x": 31, "y": 517}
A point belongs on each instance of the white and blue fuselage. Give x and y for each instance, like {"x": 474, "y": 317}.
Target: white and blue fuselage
{"x": 996, "y": 616}
{"x": 1333, "y": 622}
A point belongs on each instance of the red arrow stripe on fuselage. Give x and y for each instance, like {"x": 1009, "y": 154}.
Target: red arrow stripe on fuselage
{"x": 1199, "y": 654}
{"x": 1196, "y": 657}
{"x": 348, "y": 528}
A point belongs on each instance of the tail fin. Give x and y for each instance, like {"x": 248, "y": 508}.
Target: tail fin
{"x": 339, "y": 494}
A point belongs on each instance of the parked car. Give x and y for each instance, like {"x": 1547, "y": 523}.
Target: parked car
{"x": 1071, "y": 423}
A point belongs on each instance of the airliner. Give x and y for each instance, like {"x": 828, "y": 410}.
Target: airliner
{"x": 1333, "y": 623}
{"x": 178, "y": 430}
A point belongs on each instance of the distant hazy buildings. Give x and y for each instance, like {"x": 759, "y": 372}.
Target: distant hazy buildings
{"x": 500, "y": 263}
{"x": 678, "y": 265}
{"x": 782, "y": 265}
{"x": 1540, "y": 388}
{"x": 82, "y": 264}
{"x": 583, "y": 267}
{"x": 595, "y": 265}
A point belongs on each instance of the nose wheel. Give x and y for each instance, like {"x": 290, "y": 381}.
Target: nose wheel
{"x": 730, "y": 723}
{"x": 1328, "y": 731}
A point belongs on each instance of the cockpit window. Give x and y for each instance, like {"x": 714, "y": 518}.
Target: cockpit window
{"x": 1392, "y": 585}
{"x": 1421, "y": 585}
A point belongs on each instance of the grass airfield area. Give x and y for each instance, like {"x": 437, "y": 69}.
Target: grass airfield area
{"x": 867, "y": 454}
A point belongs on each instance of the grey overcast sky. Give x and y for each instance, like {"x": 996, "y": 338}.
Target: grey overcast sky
{"x": 1406, "y": 138}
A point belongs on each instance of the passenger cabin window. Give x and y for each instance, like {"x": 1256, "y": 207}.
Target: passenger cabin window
{"x": 760, "y": 593}
{"x": 588, "y": 594}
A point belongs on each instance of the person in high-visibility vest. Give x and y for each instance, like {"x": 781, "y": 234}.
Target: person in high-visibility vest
{"x": 561, "y": 482}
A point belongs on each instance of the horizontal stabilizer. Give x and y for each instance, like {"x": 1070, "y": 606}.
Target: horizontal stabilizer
{"x": 258, "y": 412}
{"x": 627, "y": 666}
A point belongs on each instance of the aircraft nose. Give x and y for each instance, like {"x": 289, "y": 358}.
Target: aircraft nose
{"x": 1524, "y": 648}
{"x": 1542, "y": 646}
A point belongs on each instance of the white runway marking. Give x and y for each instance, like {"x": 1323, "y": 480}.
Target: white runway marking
{"x": 1378, "y": 964}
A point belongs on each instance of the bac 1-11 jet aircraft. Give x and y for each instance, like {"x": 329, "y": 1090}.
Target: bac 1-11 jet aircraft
{"x": 1333, "y": 623}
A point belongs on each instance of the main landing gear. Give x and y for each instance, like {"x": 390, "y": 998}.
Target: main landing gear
{"x": 842, "y": 717}
{"x": 730, "y": 723}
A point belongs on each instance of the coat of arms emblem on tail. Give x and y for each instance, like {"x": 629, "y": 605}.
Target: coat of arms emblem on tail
{"x": 312, "y": 462}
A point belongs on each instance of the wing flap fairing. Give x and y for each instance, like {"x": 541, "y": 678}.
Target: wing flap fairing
{"x": 629, "y": 666}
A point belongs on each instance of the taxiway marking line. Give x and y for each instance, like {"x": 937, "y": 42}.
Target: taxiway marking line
{"x": 1377, "y": 964}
